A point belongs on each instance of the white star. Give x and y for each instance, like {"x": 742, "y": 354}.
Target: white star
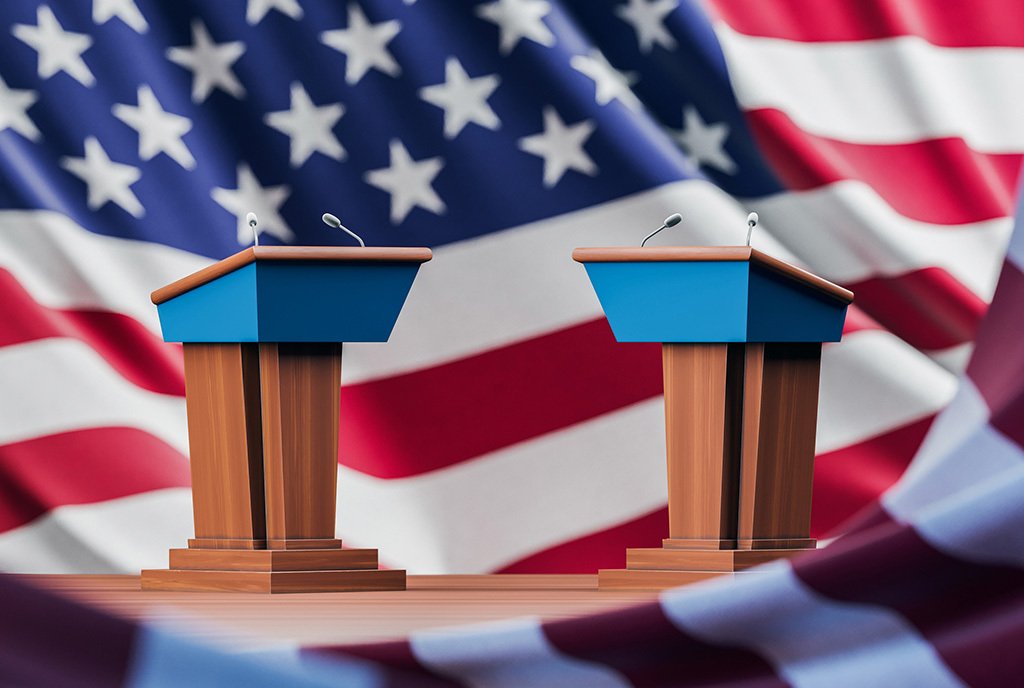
{"x": 106, "y": 180}
{"x": 561, "y": 147}
{"x": 125, "y": 10}
{"x": 59, "y": 50}
{"x": 209, "y": 62}
{"x": 14, "y": 104}
{"x": 257, "y": 9}
{"x": 647, "y": 18}
{"x": 609, "y": 83}
{"x": 251, "y": 197}
{"x": 408, "y": 182}
{"x": 364, "y": 45}
{"x": 518, "y": 19}
{"x": 705, "y": 143}
{"x": 463, "y": 100}
{"x": 159, "y": 131}
{"x": 309, "y": 127}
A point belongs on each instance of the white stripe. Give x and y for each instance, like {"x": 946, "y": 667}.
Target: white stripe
{"x": 56, "y": 385}
{"x": 964, "y": 491}
{"x": 812, "y": 641}
{"x": 117, "y": 536}
{"x": 894, "y": 90}
{"x": 509, "y": 653}
{"x": 846, "y": 232}
{"x": 63, "y": 265}
{"x": 872, "y": 382}
{"x": 482, "y": 514}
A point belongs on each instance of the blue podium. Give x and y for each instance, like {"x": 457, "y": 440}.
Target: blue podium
{"x": 741, "y": 336}
{"x": 262, "y": 334}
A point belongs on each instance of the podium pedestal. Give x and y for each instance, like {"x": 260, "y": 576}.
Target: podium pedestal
{"x": 263, "y": 438}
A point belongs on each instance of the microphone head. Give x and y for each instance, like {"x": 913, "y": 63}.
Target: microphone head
{"x": 331, "y": 221}
{"x": 673, "y": 220}
{"x": 250, "y": 219}
{"x": 752, "y": 219}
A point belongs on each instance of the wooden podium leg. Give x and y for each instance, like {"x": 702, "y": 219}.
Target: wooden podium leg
{"x": 779, "y": 420}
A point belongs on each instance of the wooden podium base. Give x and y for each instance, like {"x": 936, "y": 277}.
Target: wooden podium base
{"x": 656, "y": 569}
{"x": 273, "y": 571}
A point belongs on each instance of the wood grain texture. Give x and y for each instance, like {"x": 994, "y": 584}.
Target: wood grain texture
{"x": 273, "y": 560}
{"x": 261, "y": 620}
{"x": 359, "y": 580}
{"x": 336, "y": 254}
{"x": 652, "y": 579}
{"x": 779, "y": 422}
{"x": 697, "y": 560}
{"x": 225, "y": 441}
{"x": 666, "y": 254}
{"x": 687, "y": 543}
{"x": 701, "y": 426}
{"x": 301, "y": 386}
{"x": 295, "y": 543}
{"x": 226, "y": 543}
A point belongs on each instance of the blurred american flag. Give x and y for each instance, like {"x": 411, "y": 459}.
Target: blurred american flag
{"x": 501, "y": 428}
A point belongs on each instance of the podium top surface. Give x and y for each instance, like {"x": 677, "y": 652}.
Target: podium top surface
{"x": 332, "y": 254}
{"x": 682, "y": 254}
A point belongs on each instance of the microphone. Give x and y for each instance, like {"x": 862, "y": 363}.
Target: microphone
{"x": 332, "y": 221}
{"x": 751, "y": 223}
{"x": 251, "y": 220}
{"x": 670, "y": 221}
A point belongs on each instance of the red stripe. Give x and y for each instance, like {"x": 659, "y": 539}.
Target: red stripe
{"x": 83, "y": 467}
{"x": 128, "y": 347}
{"x": 849, "y": 479}
{"x": 929, "y": 308}
{"x": 426, "y": 420}
{"x": 940, "y": 181}
{"x": 997, "y": 367}
{"x": 643, "y": 645}
{"x": 971, "y": 613}
{"x": 951, "y": 23}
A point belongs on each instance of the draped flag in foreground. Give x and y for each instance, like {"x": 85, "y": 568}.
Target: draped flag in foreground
{"x": 501, "y": 428}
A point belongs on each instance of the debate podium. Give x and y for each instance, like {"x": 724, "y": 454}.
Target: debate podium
{"x": 262, "y": 333}
{"x": 741, "y": 336}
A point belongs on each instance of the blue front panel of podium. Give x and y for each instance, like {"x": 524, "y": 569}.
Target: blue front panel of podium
{"x": 781, "y": 311}
{"x": 281, "y": 301}
{"x": 673, "y": 301}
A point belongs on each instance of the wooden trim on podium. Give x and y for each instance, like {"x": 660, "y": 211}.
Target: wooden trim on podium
{"x": 335, "y": 254}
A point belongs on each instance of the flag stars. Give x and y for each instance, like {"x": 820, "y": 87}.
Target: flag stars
{"x": 265, "y": 201}
{"x": 159, "y": 131}
{"x": 518, "y": 19}
{"x": 364, "y": 45}
{"x": 409, "y": 182}
{"x": 561, "y": 146}
{"x": 463, "y": 99}
{"x": 308, "y": 126}
{"x": 705, "y": 143}
{"x": 209, "y": 62}
{"x": 647, "y": 17}
{"x": 256, "y": 10}
{"x": 125, "y": 10}
{"x": 14, "y": 105}
{"x": 106, "y": 180}
{"x": 58, "y": 50}
{"x": 609, "y": 83}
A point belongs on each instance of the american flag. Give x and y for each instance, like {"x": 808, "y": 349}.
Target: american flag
{"x": 502, "y": 429}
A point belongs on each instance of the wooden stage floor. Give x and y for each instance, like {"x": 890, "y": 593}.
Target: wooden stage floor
{"x": 255, "y": 620}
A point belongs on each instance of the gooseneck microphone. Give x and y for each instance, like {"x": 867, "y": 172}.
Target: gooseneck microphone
{"x": 332, "y": 221}
{"x": 670, "y": 221}
{"x": 751, "y": 223}
{"x": 252, "y": 222}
